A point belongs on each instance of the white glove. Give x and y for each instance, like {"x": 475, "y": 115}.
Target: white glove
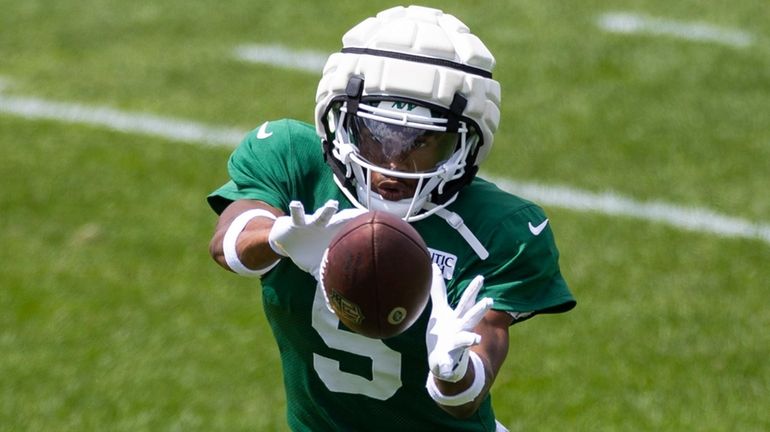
{"x": 303, "y": 238}
{"x": 450, "y": 332}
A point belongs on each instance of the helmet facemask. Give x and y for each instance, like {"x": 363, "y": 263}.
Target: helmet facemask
{"x": 415, "y": 146}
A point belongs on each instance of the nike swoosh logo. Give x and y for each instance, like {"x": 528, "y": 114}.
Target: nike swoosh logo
{"x": 262, "y": 133}
{"x": 536, "y": 230}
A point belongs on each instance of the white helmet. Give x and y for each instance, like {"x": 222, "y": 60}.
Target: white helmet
{"x": 403, "y": 78}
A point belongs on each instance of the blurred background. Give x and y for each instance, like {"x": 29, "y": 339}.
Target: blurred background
{"x": 641, "y": 126}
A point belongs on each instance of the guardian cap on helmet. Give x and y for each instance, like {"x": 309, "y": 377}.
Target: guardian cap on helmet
{"x": 410, "y": 96}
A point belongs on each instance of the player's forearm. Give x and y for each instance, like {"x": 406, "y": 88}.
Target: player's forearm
{"x": 251, "y": 246}
{"x": 250, "y": 241}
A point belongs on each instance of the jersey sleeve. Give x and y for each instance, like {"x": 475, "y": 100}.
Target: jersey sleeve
{"x": 265, "y": 166}
{"x": 523, "y": 273}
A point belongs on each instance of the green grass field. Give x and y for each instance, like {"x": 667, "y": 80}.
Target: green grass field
{"x": 114, "y": 318}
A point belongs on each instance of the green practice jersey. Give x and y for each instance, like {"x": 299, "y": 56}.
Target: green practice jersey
{"x": 337, "y": 380}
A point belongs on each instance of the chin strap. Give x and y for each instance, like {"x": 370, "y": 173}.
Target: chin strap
{"x": 455, "y": 221}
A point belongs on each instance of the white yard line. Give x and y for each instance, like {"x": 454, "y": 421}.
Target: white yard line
{"x": 630, "y": 23}
{"x": 110, "y": 118}
{"x": 688, "y": 218}
{"x": 609, "y": 203}
{"x": 278, "y": 55}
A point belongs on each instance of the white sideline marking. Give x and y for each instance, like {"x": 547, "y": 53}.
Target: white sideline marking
{"x": 688, "y": 218}
{"x": 278, "y": 55}
{"x": 621, "y": 22}
{"x": 169, "y": 128}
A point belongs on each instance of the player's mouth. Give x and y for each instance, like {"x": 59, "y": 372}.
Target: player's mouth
{"x": 393, "y": 189}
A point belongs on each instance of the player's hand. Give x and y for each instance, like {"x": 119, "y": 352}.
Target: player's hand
{"x": 450, "y": 331}
{"x": 303, "y": 238}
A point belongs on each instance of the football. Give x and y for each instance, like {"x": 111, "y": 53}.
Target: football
{"x": 376, "y": 274}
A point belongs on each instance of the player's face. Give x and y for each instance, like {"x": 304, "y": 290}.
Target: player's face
{"x": 403, "y": 149}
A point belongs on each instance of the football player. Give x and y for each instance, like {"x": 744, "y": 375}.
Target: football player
{"x": 405, "y": 114}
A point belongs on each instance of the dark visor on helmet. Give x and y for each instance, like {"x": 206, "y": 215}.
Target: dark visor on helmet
{"x": 401, "y": 148}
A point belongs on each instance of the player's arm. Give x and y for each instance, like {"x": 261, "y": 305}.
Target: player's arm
{"x": 491, "y": 351}
{"x": 244, "y": 227}
{"x": 251, "y": 236}
{"x": 466, "y": 345}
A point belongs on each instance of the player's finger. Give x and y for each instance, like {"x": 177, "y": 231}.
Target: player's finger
{"x": 323, "y": 215}
{"x": 464, "y": 339}
{"x": 438, "y": 288}
{"x": 474, "y": 316}
{"x": 469, "y": 295}
{"x": 297, "y": 211}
